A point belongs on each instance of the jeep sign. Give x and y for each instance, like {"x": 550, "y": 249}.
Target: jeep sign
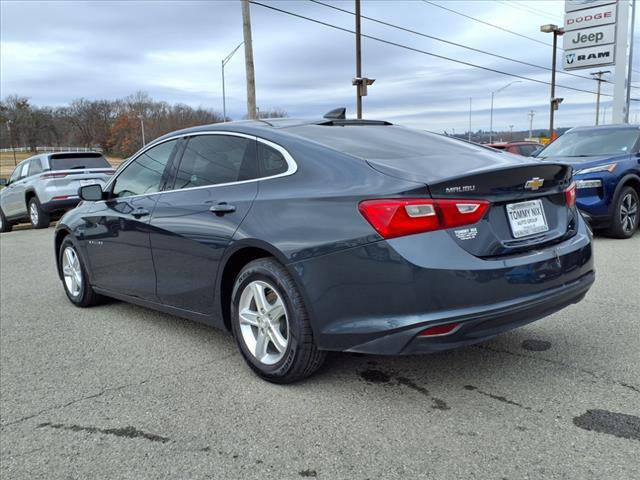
{"x": 589, "y": 57}
{"x": 590, "y": 37}
{"x": 591, "y": 17}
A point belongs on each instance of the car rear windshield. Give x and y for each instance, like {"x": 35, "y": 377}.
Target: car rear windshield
{"x": 384, "y": 142}
{"x": 70, "y": 161}
{"x": 592, "y": 142}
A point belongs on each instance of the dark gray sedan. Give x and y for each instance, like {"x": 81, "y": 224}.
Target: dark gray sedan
{"x": 302, "y": 237}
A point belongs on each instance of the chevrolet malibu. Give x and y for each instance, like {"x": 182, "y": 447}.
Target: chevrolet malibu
{"x": 302, "y": 237}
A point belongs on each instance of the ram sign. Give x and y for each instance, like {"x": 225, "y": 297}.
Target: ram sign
{"x": 589, "y": 57}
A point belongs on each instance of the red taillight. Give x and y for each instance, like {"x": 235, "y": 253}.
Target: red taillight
{"x": 439, "y": 330}
{"x": 570, "y": 195}
{"x": 398, "y": 217}
{"x": 53, "y": 175}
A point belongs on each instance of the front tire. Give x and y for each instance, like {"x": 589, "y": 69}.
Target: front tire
{"x": 5, "y": 225}
{"x": 74, "y": 276}
{"x": 271, "y": 325}
{"x": 626, "y": 216}
{"x": 38, "y": 217}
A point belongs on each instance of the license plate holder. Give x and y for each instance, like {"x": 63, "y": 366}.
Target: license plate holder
{"x": 527, "y": 218}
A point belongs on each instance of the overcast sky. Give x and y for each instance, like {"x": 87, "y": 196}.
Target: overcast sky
{"x": 55, "y": 51}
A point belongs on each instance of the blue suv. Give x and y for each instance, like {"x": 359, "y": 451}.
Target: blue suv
{"x": 606, "y": 165}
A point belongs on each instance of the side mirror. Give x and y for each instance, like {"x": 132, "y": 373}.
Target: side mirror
{"x": 536, "y": 152}
{"x": 91, "y": 193}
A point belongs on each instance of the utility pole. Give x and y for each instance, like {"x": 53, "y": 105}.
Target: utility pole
{"x": 597, "y": 76}
{"x": 248, "y": 61}
{"x": 361, "y": 83}
{"x": 358, "y": 63}
{"x": 511, "y": 133}
{"x": 531, "y": 115}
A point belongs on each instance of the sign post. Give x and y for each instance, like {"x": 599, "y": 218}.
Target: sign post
{"x": 620, "y": 86}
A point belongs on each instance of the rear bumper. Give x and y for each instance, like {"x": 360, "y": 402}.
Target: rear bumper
{"x": 480, "y": 324}
{"x": 60, "y": 205}
{"x": 377, "y": 298}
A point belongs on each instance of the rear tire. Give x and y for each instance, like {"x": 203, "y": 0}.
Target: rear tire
{"x": 625, "y": 214}
{"x": 5, "y": 225}
{"x": 287, "y": 352}
{"x": 38, "y": 217}
{"x": 75, "y": 280}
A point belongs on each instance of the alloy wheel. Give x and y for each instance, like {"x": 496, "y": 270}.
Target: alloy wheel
{"x": 33, "y": 213}
{"x": 628, "y": 212}
{"x": 264, "y": 323}
{"x": 72, "y": 271}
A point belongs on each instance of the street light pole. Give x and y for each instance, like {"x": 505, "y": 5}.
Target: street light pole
{"x": 13, "y": 150}
{"x": 142, "y": 129}
{"x": 224, "y": 98}
{"x": 470, "y": 104}
{"x": 531, "y": 114}
{"x": 491, "y": 114}
{"x": 553, "y": 106}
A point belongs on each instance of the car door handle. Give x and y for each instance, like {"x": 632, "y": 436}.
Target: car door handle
{"x": 140, "y": 212}
{"x": 222, "y": 208}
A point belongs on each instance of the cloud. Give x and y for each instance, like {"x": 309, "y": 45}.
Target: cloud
{"x": 105, "y": 49}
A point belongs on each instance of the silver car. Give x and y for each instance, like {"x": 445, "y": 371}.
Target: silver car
{"x": 45, "y": 185}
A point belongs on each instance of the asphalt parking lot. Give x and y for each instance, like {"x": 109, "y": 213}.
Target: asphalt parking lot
{"x": 118, "y": 391}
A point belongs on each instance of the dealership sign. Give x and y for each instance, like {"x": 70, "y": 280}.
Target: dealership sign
{"x": 591, "y": 17}
{"x": 589, "y": 57}
{"x": 573, "y": 5}
{"x": 590, "y": 37}
{"x": 590, "y": 33}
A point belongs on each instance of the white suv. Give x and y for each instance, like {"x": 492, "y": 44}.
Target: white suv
{"x": 45, "y": 185}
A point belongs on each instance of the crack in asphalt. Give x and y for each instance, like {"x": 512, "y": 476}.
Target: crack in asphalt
{"x": 110, "y": 390}
{"x": 561, "y": 364}
{"x": 127, "y": 432}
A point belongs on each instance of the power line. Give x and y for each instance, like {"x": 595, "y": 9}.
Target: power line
{"x": 438, "y": 39}
{"x": 526, "y": 9}
{"x": 424, "y": 52}
{"x": 534, "y": 9}
{"x": 487, "y": 23}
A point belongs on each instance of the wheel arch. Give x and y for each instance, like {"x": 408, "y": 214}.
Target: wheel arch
{"x": 60, "y": 235}
{"x": 234, "y": 261}
{"x": 28, "y": 195}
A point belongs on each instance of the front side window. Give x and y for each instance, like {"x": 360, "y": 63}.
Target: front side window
{"x": 217, "y": 159}
{"x": 144, "y": 174}
{"x": 15, "y": 176}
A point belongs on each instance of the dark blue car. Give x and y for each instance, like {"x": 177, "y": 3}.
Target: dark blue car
{"x": 302, "y": 237}
{"x": 606, "y": 163}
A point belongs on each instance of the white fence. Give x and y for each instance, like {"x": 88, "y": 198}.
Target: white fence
{"x": 52, "y": 149}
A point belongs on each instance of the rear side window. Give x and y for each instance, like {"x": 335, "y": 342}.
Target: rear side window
{"x": 217, "y": 159}
{"x": 144, "y": 174}
{"x": 75, "y": 161}
{"x": 272, "y": 162}
{"x": 25, "y": 169}
{"x": 35, "y": 166}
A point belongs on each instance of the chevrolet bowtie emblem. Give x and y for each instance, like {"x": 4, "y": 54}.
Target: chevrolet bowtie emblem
{"x": 534, "y": 184}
